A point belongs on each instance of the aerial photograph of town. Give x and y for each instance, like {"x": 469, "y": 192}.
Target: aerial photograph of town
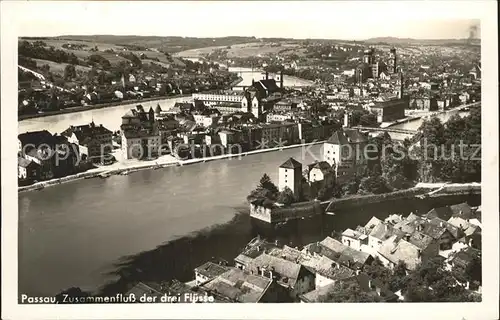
{"x": 249, "y": 169}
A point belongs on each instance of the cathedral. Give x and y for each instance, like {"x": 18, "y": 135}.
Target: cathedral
{"x": 372, "y": 68}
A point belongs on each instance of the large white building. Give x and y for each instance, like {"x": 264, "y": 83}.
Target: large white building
{"x": 345, "y": 152}
{"x": 211, "y": 99}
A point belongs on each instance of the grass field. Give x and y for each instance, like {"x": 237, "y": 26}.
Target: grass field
{"x": 113, "y": 57}
{"x": 58, "y": 68}
{"x": 249, "y": 50}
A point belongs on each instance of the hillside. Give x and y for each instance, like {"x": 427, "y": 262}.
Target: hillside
{"x": 409, "y": 41}
{"x": 166, "y": 44}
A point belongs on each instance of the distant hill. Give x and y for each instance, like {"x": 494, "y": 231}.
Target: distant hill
{"x": 167, "y": 44}
{"x": 406, "y": 41}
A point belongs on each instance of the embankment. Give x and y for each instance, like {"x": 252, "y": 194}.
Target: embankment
{"x": 152, "y": 164}
{"x": 331, "y": 207}
{"x": 96, "y": 106}
{"x": 421, "y": 192}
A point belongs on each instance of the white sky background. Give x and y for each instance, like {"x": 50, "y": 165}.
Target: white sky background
{"x": 356, "y": 20}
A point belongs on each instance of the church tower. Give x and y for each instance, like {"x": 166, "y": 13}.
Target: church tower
{"x": 401, "y": 85}
{"x": 393, "y": 61}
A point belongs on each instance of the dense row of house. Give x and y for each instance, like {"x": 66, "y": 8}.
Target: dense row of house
{"x": 130, "y": 86}
{"x": 267, "y": 272}
{"x": 220, "y": 120}
{"x": 44, "y": 156}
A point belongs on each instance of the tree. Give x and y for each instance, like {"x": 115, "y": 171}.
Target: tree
{"x": 376, "y": 270}
{"x": 399, "y": 277}
{"x": 69, "y": 72}
{"x": 373, "y": 184}
{"x": 398, "y": 167}
{"x": 265, "y": 190}
{"x": 351, "y": 187}
{"x": 266, "y": 183}
{"x": 348, "y": 291}
{"x": 53, "y": 102}
{"x": 101, "y": 77}
{"x": 286, "y": 197}
{"x": 73, "y": 292}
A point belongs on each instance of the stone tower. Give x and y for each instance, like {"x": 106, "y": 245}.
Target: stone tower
{"x": 290, "y": 175}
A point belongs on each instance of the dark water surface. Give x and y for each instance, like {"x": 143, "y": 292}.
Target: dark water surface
{"x": 160, "y": 224}
{"x": 72, "y": 234}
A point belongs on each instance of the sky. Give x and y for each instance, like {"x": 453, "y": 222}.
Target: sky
{"x": 355, "y": 20}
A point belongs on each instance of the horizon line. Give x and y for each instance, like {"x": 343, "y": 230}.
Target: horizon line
{"x": 256, "y": 37}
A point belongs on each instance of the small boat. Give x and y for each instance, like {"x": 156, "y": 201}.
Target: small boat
{"x": 124, "y": 173}
{"x": 40, "y": 187}
{"x": 104, "y": 175}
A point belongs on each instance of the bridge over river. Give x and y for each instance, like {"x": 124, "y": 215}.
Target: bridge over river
{"x": 396, "y": 134}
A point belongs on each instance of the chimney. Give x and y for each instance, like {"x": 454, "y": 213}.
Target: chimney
{"x": 407, "y": 237}
{"x": 267, "y": 75}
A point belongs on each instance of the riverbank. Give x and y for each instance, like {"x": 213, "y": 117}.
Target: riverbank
{"x": 419, "y": 191}
{"x": 96, "y": 106}
{"x": 333, "y": 206}
{"x": 129, "y": 166}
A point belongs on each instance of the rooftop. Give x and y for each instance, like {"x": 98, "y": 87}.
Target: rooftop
{"x": 36, "y": 138}
{"x": 321, "y": 165}
{"x": 354, "y": 234}
{"x": 211, "y": 270}
{"x": 288, "y": 271}
{"x": 239, "y": 286}
{"x": 394, "y": 251}
{"x": 85, "y": 133}
{"x": 384, "y": 231}
{"x": 291, "y": 163}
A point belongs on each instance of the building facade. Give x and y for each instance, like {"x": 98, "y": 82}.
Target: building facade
{"x": 140, "y": 135}
{"x": 94, "y": 142}
{"x": 290, "y": 175}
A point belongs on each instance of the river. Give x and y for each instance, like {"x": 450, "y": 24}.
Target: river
{"x": 69, "y": 234}
{"x": 73, "y": 234}
{"x": 414, "y": 124}
{"x": 111, "y": 117}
